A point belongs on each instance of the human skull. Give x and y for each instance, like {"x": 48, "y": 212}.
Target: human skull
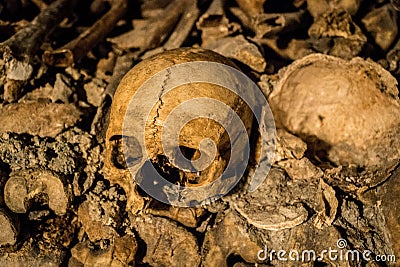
{"x": 348, "y": 111}
{"x": 125, "y": 157}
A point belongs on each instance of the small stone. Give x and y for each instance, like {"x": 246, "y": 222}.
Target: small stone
{"x": 120, "y": 253}
{"x": 301, "y": 169}
{"x": 102, "y": 212}
{"x": 36, "y": 118}
{"x": 62, "y": 90}
{"x": 289, "y": 146}
{"x": 230, "y": 236}
{"x": 382, "y": 25}
{"x": 318, "y": 7}
{"x": 240, "y": 49}
{"x": 389, "y": 194}
{"x": 95, "y": 91}
{"x": 335, "y": 33}
{"x": 37, "y": 215}
{"x": 167, "y": 243}
{"x": 9, "y": 228}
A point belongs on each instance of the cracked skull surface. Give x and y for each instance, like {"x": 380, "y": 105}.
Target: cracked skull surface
{"x": 164, "y": 114}
{"x": 347, "y": 111}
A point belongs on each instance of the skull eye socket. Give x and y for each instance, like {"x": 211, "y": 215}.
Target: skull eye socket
{"x": 189, "y": 153}
{"x": 126, "y": 151}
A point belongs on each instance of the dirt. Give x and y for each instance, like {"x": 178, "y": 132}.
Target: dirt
{"x": 334, "y": 179}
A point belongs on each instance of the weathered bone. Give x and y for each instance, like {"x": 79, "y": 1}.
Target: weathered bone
{"x": 190, "y": 136}
{"x": 34, "y": 185}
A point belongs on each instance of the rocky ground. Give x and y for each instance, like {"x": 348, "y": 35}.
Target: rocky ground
{"x": 329, "y": 70}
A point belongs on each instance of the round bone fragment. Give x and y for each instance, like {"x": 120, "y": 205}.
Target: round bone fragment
{"x": 27, "y": 186}
{"x": 348, "y": 111}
